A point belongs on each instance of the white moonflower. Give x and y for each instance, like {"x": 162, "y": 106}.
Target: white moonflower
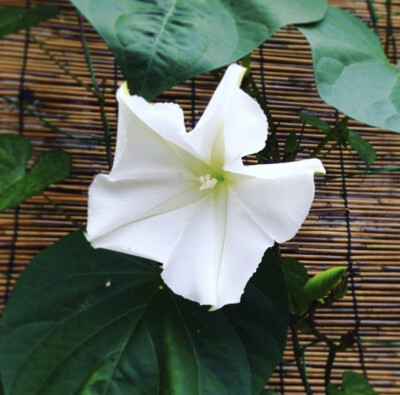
{"x": 186, "y": 199}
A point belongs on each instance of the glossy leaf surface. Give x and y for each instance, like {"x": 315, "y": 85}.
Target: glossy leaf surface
{"x": 89, "y": 321}
{"x": 160, "y": 43}
{"x": 16, "y": 185}
{"x": 351, "y": 70}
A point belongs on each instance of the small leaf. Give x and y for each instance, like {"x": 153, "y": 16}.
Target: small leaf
{"x": 314, "y": 121}
{"x": 92, "y": 321}
{"x": 353, "y": 384}
{"x": 14, "y": 19}
{"x": 15, "y": 185}
{"x": 342, "y": 135}
{"x": 291, "y": 147}
{"x": 340, "y": 290}
{"x": 322, "y": 283}
{"x": 352, "y": 72}
{"x": 363, "y": 148}
{"x": 161, "y": 43}
{"x": 319, "y": 286}
{"x": 296, "y": 277}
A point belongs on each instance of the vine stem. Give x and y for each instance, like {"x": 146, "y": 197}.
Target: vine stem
{"x": 64, "y": 68}
{"x": 388, "y": 25}
{"x": 61, "y": 211}
{"x": 47, "y": 122}
{"x": 329, "y": 365}
{"x": 328, "y": 137}
{"x": 100, "y": 98}
{"x": 299, "y": 362}
{"x": 374, "y": 17}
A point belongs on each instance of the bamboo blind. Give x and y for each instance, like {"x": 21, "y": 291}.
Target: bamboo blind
{"x": 353, "y": 221}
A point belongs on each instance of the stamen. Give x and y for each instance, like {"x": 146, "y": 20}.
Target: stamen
{"x": 206, "y": 182}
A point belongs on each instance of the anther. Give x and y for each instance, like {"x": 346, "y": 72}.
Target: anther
{"x": 206, "y": 182}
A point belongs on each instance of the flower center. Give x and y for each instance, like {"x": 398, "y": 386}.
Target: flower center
{"x": 206, "y": 182}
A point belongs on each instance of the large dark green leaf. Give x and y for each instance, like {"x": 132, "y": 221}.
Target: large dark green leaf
{"x": 17, "y": 186}
{"x": 296, "y": 278}
{"x": 353, "y": 384}
{"x": 159, "y": 43}
{"x": 98, "y": 322}
{"x": 351, "y": 70}
{"x": 14, "y": 19}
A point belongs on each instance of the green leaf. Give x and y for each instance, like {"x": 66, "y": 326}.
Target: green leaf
{"x": 353, "y": 384}
{"x": 296, "y": 277}
{"x": 14, "y": 19}
{"x": 314, "y": 121}
{"x": 93, "y": 321}
{"x": 351, "y": 70}
{"x": 291, "y": 147}
{"x": 319, "y": 286}
{"x": 363, "y": 148}
{"x": 322, "y": 283}
{"x": 15, "y": 152}
{"x": 161, "y": 43}
{"x": 17, "y": 186}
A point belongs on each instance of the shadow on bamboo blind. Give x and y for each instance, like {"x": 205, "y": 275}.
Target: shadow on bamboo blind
{"x": 354, "y": 220}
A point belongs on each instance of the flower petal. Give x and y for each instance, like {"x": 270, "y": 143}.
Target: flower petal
{"x": 192, "y": 269}
{"x": 245, "y": 129}
{"x": 245, "y": 245}
{"x": 151, "y": 140}
{"x": 212, "y": 262}
{"x": 279, "y": 196}
{"x": 153, "y": 237}
{"x": 115, "y": 203}
{"x": 211, "y": 123}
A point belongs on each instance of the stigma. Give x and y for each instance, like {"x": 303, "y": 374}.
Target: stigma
{"x": 206, "y": 182}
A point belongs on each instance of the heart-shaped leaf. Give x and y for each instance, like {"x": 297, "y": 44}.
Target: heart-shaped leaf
{"x": 17, "y": 186}
{"x": 14, "y": 19}
{"x": 91, "y": 321}
{"x": 161, "y": 43}
{"x": 351, "y": 70}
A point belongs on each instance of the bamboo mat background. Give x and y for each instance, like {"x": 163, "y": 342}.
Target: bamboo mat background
{"x": 353, "y": 222}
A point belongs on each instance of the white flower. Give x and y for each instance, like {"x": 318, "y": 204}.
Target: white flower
{"x": 187, "y": 200}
